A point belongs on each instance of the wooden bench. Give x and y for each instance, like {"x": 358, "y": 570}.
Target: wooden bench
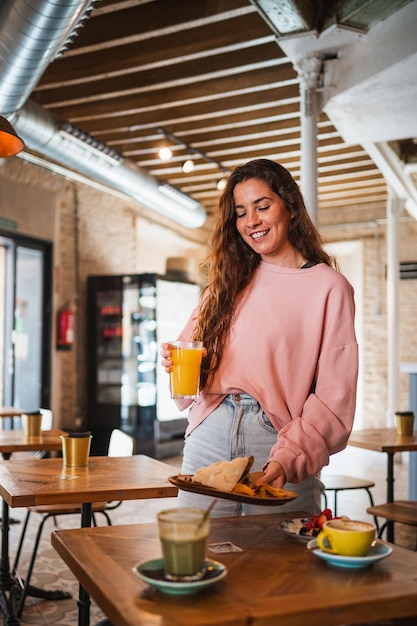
{"x": 400, "y": 511}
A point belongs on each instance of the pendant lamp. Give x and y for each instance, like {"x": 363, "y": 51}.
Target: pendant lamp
{"x": 10, "y": 143}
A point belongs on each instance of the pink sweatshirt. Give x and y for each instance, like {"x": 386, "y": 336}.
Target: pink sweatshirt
{"x": 293, "y": 328}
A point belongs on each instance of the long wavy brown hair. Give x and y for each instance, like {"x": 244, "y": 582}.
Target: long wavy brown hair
{"x": 232, "y": 263}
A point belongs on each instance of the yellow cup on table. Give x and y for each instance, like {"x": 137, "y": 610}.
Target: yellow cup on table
{"x": 186, "y": 359}
{"x": 32, "y": 424}
{"x": 404, "y": 423}
{"x": 346, "y": 537}
{"x": 76, "y": 449}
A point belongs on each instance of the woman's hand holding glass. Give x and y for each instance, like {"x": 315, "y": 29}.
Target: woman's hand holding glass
{"x": 166, "y": 356}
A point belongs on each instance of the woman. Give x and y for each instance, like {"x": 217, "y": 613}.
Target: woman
{"x": 277, "y": 320}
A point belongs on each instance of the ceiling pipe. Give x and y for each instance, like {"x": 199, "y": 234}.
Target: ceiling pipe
{"x": 51, "y": 137}
{"x": 32, "y": 34}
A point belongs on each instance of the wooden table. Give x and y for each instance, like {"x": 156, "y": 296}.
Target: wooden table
{"x": 10, "y": 412}
{"x": 16, "y": 441}
{"x": 385, "y": 440}
{"x": 274, "y": 580}
{"x": 48, "y": 481}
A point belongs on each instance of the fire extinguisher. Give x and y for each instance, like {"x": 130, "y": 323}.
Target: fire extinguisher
{"x": 65, "y": 327}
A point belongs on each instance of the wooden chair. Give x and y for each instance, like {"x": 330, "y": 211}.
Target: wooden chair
{"x": 120, "y": 444}
{"x": 338, "y": 483}
{"x": 401, "y": 511}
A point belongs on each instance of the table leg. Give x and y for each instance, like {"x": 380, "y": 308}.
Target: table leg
{"x": 83, "y": 597}
{"x": 390, "y": 492}
{"x": 6, "y": 456}
{"x": 8, "y": 583}
{"x": 26, "y": 589}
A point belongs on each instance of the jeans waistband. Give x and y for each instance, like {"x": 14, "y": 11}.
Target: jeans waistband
{"x": 240, "y": 399}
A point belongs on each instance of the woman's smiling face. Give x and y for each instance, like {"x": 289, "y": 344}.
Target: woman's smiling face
{"x": 262, "y": 221}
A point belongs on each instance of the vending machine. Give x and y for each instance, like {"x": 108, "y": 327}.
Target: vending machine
{"x": 128, "y": 317}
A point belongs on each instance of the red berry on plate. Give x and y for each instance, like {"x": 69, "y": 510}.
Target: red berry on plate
{"x": 321, "y": 521}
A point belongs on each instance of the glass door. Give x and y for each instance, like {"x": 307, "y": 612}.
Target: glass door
{"x": 25, "y": 296}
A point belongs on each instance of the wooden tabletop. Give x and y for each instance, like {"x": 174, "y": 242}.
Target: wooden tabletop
{"x": 383, "y": 440}
{"x": 274, "y": 580}
{"x": 48, "y": 481}
{"x": 11, "y": 411}
{"x": 16, "y": 441}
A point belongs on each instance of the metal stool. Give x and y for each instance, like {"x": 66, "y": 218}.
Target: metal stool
{"x": 347, "y": 483}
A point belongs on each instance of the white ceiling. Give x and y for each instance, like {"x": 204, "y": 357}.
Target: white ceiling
{"x": 370, "y": 88}
{"x": 376, "y": 100}
{"x": 223, "y": 88}
{"x": 369, "y": 54}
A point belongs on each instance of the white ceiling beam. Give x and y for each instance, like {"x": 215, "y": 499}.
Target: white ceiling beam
{"x": 394, "y": 173}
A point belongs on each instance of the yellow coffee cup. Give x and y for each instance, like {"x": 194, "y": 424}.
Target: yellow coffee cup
{"x": 346, "y": 537}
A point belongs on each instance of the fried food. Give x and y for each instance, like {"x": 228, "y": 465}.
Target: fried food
{"x": 267, "y": 491}
{"x": 263, "y": 490}
{"x": 244, "y": 489}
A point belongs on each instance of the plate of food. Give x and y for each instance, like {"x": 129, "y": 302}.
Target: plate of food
{"x": 305, "y": 528}
{"x": 232, "y": 480}
{"x": 296, "y": 527}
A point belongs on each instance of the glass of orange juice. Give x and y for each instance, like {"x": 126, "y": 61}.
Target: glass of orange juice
{"x": 185, "y": 371}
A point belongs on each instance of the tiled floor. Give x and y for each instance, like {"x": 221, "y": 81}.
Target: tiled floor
{"x": 50, "y": 572}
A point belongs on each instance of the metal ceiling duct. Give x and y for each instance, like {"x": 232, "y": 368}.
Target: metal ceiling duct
{"x": 32, "y": 33}
{"x": 58, "y": 141}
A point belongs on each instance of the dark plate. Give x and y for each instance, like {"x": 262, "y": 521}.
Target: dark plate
{"x": 188, "y": 485}
{"x": 152, "y": 573}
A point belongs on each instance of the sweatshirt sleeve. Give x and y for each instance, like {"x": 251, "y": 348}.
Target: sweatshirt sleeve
{"x": 323, "y": 427}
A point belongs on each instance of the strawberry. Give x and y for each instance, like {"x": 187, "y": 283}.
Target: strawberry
{"x": 328, "y": 513}
{"x": 313, "y": 525}
{"x": 321, "y": 520}
{"x": 310, "y": 524}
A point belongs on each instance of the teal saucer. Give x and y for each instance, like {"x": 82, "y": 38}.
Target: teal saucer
{"x": 378, "y": 551}
{"x": 152, "y": 573}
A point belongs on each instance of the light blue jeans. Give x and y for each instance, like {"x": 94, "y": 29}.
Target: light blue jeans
{"x": 239, "y": 427}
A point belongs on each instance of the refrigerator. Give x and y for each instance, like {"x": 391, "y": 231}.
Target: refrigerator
{"x": 127, "y": 319}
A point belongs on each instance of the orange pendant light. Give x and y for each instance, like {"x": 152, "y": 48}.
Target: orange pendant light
{"x": 10, "y": 143}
